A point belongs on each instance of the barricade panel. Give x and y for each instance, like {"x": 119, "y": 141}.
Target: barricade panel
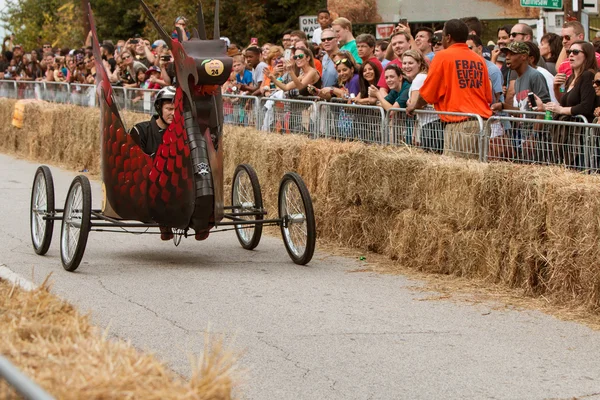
{"x": 288, "y": 116}
{"x": 352, "y": 122}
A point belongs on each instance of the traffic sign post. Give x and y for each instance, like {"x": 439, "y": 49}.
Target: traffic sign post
{"x": 555, "y": 4}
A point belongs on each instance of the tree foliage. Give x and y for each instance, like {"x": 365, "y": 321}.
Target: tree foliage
{"x": 36, "y": 21}
{"x": 60, "y": 21}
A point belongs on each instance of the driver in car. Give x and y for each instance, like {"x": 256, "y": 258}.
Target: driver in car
{"x": 151, "y": 132}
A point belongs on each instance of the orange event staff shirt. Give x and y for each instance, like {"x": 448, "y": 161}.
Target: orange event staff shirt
{"x": 458, "y": 81}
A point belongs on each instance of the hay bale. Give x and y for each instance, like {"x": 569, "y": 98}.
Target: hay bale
{"x": 61, "y": 351}
{"x": 573, "y": 237}
{"x": 524, "y": 226}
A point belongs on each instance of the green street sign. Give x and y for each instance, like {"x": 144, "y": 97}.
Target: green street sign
{"x": 556, "y": 4}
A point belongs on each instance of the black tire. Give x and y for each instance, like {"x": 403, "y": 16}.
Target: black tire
{"x": 298, "y": 218}
{"x": 41, "y": 205}
{"x": 248, "y": 235}
{"x": 75, "y": 223}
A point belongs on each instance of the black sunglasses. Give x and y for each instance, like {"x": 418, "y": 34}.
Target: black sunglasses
{"x": 299, "y": 57}
{"x": 327, "y": 39}
{"x": 566, "y": 37}
{"x": 596, "y": 82}
{"x": 574, "y": 51}
{"x": 515, "y": 34}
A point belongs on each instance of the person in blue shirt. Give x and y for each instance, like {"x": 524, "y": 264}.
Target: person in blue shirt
{"x": 399, "y": 87}
{"x": 242, "y": 75}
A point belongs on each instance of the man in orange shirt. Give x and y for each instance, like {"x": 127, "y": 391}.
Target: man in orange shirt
{"x": 457, "y": 82}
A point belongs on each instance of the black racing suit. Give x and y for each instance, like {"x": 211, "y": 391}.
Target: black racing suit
{"x": 150, "y": 135}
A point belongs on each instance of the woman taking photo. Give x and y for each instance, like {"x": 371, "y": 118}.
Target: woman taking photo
{"x": 274, "y": 60}
{"x": 368, "y": 76}
{"x": 302, "y": 73}
{"x": 579, "y": 99}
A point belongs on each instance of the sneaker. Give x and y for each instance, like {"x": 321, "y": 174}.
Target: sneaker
{"x": 166, "y": 233}
{"x": 202, "y": 235}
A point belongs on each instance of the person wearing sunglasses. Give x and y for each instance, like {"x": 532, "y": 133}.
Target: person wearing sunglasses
{"x": 130, "y": 69}
{"x": 521, "y": 33}
{"x": 181, "y": 23}
{"x": 330, "y": 45}
{"x": 301, "y": 72}
{"x": 579, "y": 98}
{"x": 571, "y": 32}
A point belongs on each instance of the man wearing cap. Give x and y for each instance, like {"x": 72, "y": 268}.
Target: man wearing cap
{"x": 528, "y": 80}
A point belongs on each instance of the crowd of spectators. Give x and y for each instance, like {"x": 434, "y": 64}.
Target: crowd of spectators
{"x": 402, "y": 71}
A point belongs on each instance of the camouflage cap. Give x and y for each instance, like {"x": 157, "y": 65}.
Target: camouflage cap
{"x": 516, "y": 48}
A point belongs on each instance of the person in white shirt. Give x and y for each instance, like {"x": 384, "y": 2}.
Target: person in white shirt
{"x": 324, "y": 19}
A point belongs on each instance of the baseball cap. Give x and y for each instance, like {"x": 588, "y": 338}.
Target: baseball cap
{"x": 516, "y": 48}
{"x": 158, "y": 43}
{"x": 152, "y": 69}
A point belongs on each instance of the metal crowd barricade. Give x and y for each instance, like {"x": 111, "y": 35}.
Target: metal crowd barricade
{"x": 241, "y": 110}
{"x": 352, "y": 122}
{"x": 538, "y": 141}
{"x": 56, "y": 92}
{"x": 19, "y": 383}
{"x": 82, "y": 94}
{"x": 8, "y": 89}
{"x": 461, "y": 138}
{"x": 140, "y": 100}
{"x": 29, "y": 90}
{"x": 288, "y": 116}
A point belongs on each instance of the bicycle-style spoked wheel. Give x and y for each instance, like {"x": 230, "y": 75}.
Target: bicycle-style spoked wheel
{"x": 246, "y": 197}
{"x": 75, "y": 223}
{"x": 42, "y": 205}
{"x": 298, "y": 219}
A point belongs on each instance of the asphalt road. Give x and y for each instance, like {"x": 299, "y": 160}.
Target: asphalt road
{"x": 315, "y": 332}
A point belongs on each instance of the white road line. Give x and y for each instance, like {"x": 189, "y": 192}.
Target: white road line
{"x": 16, "y": 279}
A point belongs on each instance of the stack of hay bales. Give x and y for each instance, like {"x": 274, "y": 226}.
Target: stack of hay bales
{"x": 536, "y": 228}
{"x": 528, "y": 227}
{"x": 55, "y": 346}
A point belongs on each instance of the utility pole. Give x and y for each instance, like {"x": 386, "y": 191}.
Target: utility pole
{"x": 84, "y": 15}
{"x": 569, "y": 6}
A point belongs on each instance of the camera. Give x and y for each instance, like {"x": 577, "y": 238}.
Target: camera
{"x": 165, "y": 58}
{"x": 134, "y": 41}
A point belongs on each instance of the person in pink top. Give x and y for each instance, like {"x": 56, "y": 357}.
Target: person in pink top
{"x": 572, "y": 32}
